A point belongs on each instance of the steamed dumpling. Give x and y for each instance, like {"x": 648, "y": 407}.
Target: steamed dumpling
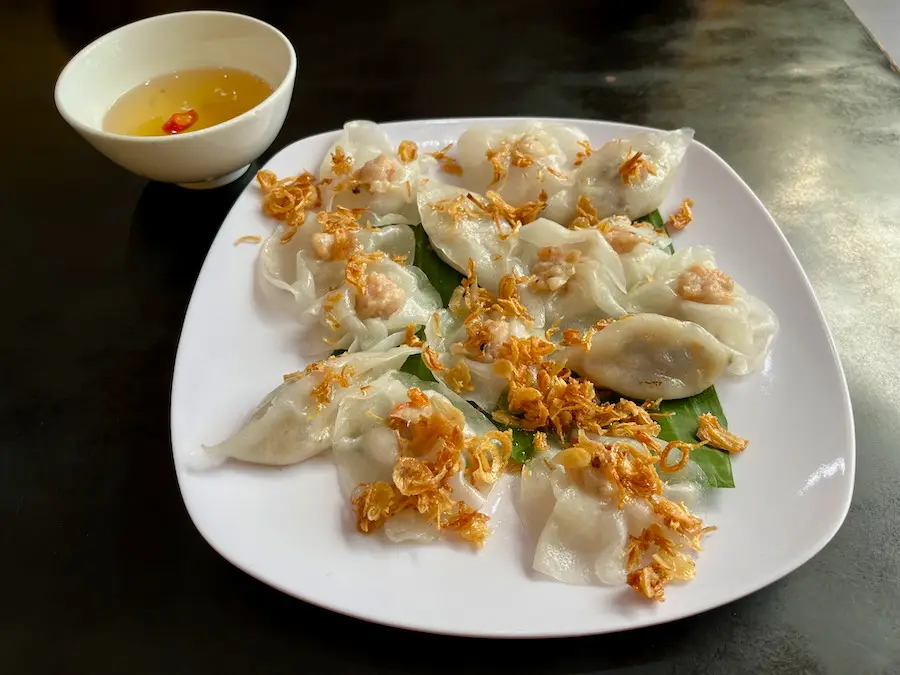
{"x": 575, "y": 274}
{"x": 366, "y": 172}
{"x": 689, "y": 286}
{"x": 581, "y": 531}
{"x": 523, "y": 160}
{"x": 296, "y": 420}
{"x": 583, "y": 539}
{"x": 459, "y": 232}
{"x": 310, "y": 264}
{"x": 640, "y": 186}
{"x": 366, "y": 449}
{"x": 468, "y": 369}
{"x": 648, "y": 356}
{"x": 384, "y": 298}
{"x": 640, "y": 247}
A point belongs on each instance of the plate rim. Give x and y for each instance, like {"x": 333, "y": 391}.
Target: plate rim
{"x": 794, "y": 563}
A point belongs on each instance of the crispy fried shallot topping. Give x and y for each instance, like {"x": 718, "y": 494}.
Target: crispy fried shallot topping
{"x": 508, "y": 218}
{"x": 682, "y": 217}
{"x": 585, "y": 214}
{"x": 716, "y": 436}
{"x": 447, "y": 164}
{"x": 410, "y": 339}
{"x": 432, "y": 449}
{"x": 635, "y": 168}
{"x": 248, "y": 239}
{"x": 408, "y": 151}
{"x": 585, "y": 152}
{"x": 289, "y": 199}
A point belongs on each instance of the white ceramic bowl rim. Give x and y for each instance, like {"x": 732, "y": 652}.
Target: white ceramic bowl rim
{"x": 74, "y": 62}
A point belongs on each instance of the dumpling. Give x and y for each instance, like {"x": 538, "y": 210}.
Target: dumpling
{"x": 632, "y": 176}
{"x": 641, "y": 248}
{"x": 581, "y": 527}
{"x": 460, "y": 231}
{"x": 467, "y": 352}
{"x": 583, "y": 540}
{"x": 523, "y": 160}
{"x": 575, "y": 274}
{"x": 368, "y": 445}
{"x": 465, "y": 340}
{"x": 366, "y": 172}
{"x": 689, "y": 286}
{"x": 365, "y": 448}
{"x": 648, "y": 356}
{"x": 378, "y": 297}
{"x": 296, "y": 420}
{"x": 309, "y": 261}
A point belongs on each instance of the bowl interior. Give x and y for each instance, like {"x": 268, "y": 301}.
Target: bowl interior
{"x": 128, "y": 56}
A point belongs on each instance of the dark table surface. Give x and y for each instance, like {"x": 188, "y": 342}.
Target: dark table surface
{"x": 101, "y": 568}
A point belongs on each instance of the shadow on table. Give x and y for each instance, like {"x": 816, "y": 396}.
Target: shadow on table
{"x": 171, "y": 231}
{"x": 331, "y": 642}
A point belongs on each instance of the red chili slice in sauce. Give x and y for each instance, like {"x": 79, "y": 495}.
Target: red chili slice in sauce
{"x": 180, "y": 121}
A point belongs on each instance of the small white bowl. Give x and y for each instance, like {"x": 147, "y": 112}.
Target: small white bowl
{"x": 111, "y": 65}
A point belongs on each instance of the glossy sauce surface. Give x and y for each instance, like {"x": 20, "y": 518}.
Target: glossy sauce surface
{"x": 185, "y": 101}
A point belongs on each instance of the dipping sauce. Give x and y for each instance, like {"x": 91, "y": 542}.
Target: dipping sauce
{"x": 185, "y": 101}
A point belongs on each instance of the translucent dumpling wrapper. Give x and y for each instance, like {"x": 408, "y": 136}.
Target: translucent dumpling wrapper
{"x": 575, "y": 274}
{"x": 581, "y": 531}
{"x": 469, "y": 369}
{"x": 633, "y": 175}
{"x": 583, "y": 540}
{"x": 689, "y": 286}
{"x": 366, "y": 449}
{"x": 536, "y": 497}
{"x": 309, "y": 264}
{"x": 366, "y": 172}
{"x": 384, "y": 298}
{"x": 640, "y": 247}
{"x": 523, "y": 160}
{"x": 296, "y": 420}
{"x": 648, "y": 356}
{"x": 460, "y": 231}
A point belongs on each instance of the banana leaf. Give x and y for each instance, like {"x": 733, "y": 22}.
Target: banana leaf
{"x": 682, "y": 426}
{"x": 444, "y": 278}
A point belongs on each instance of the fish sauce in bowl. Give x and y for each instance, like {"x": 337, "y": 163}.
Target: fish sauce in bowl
{"x": 185, "y": 101}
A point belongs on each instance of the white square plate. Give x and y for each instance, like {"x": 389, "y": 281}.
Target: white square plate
{"x": 292, "y": 529}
